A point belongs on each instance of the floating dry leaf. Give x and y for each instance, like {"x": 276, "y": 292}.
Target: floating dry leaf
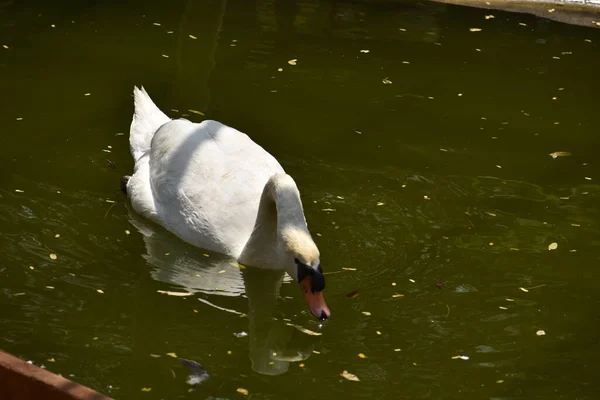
{"x": 165, "y": 56}
{"x": 378, "y": 332}
{"x": 386, "y": 81}
{"x": 100, "y": 291}
{"x": 53, "y": 256}
{"x": 475, "y": 29}
{"x": 397, "y": 295}
{"x": 348, "y": 269}
{"x": 293, "y": 61}
{"x": 155, "y": 24}
{"x": 242, "y": 391}
{"x": 368, "y": 314}
{"x": 489, "y": 16}
{"x": 192, "y": 37}
{"x": 587, "y": 178}
{"x": 364, "y": 51}
{"x": 379, "y": 203}
{"x": 51, "y": 360}
{"x": 352, "y": 294}
{"x": 280, "y": 69}
{"x": 19, "y": 191}
{"x": 178, "y": 294}
{"x": 361, "y": 355}
{"x": 540, "y": 332}
{"x": 523, "y": 289}
{"x": 557, "y": 154}
{"x": 304, "y": 330}
{"x": 172, "y": 355}
{"x": 349, "y": 376}
{"x": 146, "y": 389}
{"x": 412, "y": 280}
{"x": 127, "y": 232}
{"x": 5, "y": 46}
{"x": 553, "y": 246}
{"x": 551, "y": 10}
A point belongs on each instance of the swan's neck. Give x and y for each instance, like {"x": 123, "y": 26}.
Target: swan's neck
{"x": 279, "y": 213}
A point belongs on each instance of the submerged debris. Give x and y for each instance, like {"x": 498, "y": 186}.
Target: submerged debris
{"x": 198, "y": 373}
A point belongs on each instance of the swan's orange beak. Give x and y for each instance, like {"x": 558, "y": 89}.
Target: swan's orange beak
{"x": 315, "y": 300}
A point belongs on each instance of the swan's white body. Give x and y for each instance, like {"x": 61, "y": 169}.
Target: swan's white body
{"x": 215, "y": 188}
{"x": 202, "y": 182}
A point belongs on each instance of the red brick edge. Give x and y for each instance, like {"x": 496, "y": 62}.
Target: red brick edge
{"x": 22, "y": 381}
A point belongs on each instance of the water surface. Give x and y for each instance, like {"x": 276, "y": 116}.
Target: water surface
{"x": 421, "y": 150}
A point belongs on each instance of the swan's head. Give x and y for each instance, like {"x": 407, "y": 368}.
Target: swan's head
{"x": 304, "y": 267}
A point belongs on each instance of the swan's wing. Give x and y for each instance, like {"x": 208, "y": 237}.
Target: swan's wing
{"x": 207, "y": 181}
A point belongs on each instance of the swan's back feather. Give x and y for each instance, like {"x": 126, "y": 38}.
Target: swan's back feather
{"x": 147, "y": 118}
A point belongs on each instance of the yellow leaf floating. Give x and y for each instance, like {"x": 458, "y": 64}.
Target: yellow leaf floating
{"x": 172, "y": 355}
{"x": 53, "y": 256}
{"x": 386, "y": 81}
{"x": 146, "y": 389}
{"x": 489, "y": 16}
{"x": 192, "y": 37}
{"x": 557, "y": 154}
{"x": 380, "y": 203}
{"x": 178, "y": 294}
{"x": 523, "y": 289}
{"x": 361, "y": 355}
{"x": 100, "y": 291}
{"x": 475, "y": 29}
{"x": 349, "y": 376}
{"x": 540, "y": 332}
{"x": 242, "y": 391}
{"x": 304, "y": 330}
{"x": 293, "y": 61}
{"x": 553, "y": 246}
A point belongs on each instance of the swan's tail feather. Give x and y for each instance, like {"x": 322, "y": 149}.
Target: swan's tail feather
{"x": 147, "y": 118}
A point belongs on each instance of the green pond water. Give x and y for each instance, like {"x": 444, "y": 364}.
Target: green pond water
{"x": 421, "y": 150}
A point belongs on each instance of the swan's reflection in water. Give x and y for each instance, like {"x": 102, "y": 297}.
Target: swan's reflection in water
{"x": 273, "y": 342}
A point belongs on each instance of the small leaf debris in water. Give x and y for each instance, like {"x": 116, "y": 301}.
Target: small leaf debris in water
{"x": 242, "y": 391}
{"x": 379, "y": 203}
{"x": 293, "y": 61}
{"x": 386, "y": 81}
{"x": 523, "y": 289}
{"x": 100, "y": 291}
{"x": 557, "y": 154}
{"x": 460, "y": 357}
{"x": 361, "y": 355}
{"x": 365, "y": 51}
{"x": 192, "y": 37}
{"x": 53, "y": 256}
{"x": 540, "y": 332}
{"x": 489, "y": 16}
{"x": 475, "y": 29}
{"x": 172, "y": 355}
{"x": 348, "y": 269}
{"x": 352, "y": 294}
{"x": 412, "y": 280}
{"x": 148, "y": 389}
{"x": 553, "y": 246}
{"x": 19, "y": 191}
{"x": 368, "y": 314}
{"x": 178, "y": 294}
{"x": 349, "y": 376}
{"x": 304, "y": 330}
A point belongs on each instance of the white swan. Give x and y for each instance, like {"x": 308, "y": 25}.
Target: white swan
{"x": 215, "y": 188}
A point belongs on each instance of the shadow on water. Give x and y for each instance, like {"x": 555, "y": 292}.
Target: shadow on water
{"x": 273, "y": 341}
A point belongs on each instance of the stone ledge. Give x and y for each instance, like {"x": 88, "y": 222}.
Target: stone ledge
{"x": 575, "y": 12}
